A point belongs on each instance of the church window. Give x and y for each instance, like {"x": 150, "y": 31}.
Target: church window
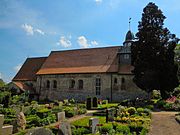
{"x": 72, "y": 84}
{"x": 54, "y": 84}
{"x": 47, "y": 84}
{"x": 123, "y": 85}
{"x": 98, "y": 86}
{"x": 115, "y": 80}
{"x": 80, "y": 84}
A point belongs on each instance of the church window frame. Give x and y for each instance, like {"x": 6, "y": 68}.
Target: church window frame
{"x": 80, "y": 84}
{"x": 48, "y": 84}
{"x": 98, "y": 86}
{"x": 72, "y": 84}
{"x": 54, "y": 84}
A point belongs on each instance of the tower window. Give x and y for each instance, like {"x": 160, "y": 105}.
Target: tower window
{"x": 98, "y": 86}
{"x": 72, "y": 84}
{"x": 54, "y": 84}
{"x": 47, "y": 84}
{"x": 80, "y": 84}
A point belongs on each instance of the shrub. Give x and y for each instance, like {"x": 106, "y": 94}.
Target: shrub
{"x": 57, "y": 109}
{"x": 82, "y": 110}
{"x": 143, "y": 131}
{"x": 80, "y": 131}
{"x": 72, "y": 101}
{"x": 151, "y": 107}
{"x": 140, "y": 110}
{"x": 122, "y": 129}
{"x": 51, "y": 118}
{"x": 106, "y": 128}
{"x": 33, "y": 121}
{"x": 160, "y": 103}
{"x": 43, "y": 112}
{"x": 131, "y": 110}
{"x": 34, "y": 102}
{"x": 69, "y": 112}
{"x": 167, "y": 106}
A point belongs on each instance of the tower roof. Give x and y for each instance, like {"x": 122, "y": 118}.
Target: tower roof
{"x": 129, "y": 36}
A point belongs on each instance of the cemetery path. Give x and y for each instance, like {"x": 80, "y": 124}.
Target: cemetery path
{"x": 164, "y": 123}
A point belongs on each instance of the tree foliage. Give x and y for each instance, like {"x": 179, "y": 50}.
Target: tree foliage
{"x": 153, "y": 53}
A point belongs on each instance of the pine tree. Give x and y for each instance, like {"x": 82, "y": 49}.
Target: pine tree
{"x": 153, "y": 53}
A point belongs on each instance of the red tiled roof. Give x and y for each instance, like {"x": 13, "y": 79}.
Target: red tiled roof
{"x": 95, "y": 60}
{"x": 29, "y": 69}
{"x": 22, "y": 86}
{"x": 125, "y": 69}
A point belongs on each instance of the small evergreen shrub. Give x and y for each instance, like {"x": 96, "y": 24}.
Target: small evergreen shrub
{"x": 80, "y": 131}
{"x": 122, "y": 129}
{"x": 140, "y": 110}
{"x": 131, "y": 110}
{"x": 106, "y": 128}
{"x": 69, "y": 112}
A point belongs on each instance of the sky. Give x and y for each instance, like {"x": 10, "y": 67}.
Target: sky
{"x": 34, "y": 28}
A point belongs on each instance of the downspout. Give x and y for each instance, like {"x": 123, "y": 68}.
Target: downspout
{"x": 111, "y": 88}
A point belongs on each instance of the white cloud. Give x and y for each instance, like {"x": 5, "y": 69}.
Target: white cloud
{"x": 94, "y": 43}
{"x": 17, "y": 68}
{"x": 98, "y": 1}
{"x": 39, "y": 31}
{"x": 30, "y": 30}
{"x": 82, "y": 41}
{"x": 65, "y": 42}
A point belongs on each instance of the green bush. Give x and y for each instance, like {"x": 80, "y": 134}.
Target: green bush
{"x": 69, "y": 112}
{"x": 51, "y": 118}
{"x": 106, "y": 128}
{"x": 144, "y": 131}
{"x": 131, "y": 110}
{"x": 167, "y": 106}
{"x": 140, "y": 110}
{"x": 72, "y": 101}
{"x": 33, "y": 121}
{"x": 82, "y": 110}
{"x": 122, "y": 129}
{"x": 161, "y": 103}
{"x": 43, "y": 112}
{"x": 80, "y": 131}
{"x": 151, "y": 107}
{"x": 57, "y": 109}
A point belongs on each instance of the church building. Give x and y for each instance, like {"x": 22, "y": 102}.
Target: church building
{"x": 96, "y": 72}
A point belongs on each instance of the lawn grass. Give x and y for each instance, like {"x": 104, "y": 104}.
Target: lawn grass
{"x": 84, "y": 122}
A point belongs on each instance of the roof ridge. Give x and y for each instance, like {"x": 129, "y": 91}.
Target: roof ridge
{"x": 87, "y": 48}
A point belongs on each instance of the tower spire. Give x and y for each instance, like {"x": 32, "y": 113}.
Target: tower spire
{"x": 129, "y": 23}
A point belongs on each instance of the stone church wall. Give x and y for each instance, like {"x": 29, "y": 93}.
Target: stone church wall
{"x": 89, "y": 87}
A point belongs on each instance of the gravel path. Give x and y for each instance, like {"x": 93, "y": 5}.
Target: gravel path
{"x": 164, "y": 123}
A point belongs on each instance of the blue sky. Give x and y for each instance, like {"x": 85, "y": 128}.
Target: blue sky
{"x": 33, "y": 28}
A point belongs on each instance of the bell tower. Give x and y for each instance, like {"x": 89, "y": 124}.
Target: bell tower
{"x": 125, "y": 51}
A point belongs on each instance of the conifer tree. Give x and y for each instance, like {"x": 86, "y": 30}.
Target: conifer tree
{"x": 153, "y": 53}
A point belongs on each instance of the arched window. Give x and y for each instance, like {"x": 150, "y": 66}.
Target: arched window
{"x": 54, "y": 84}
{"x": 72, "y": 84}
{"x": 47, "y": 84}
{"x": 80, "y": 84}
{"x": 123, "y": 85}
{"x": 115, "y": 80}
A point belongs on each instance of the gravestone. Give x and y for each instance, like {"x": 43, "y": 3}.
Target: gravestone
{"x": 21, "y": 121}
{"x": 95, "y": 102}
{"x": 110, "y": 115}
{"x": 64, "y": 128}
{"x": 61, "y": 116}
{"x": 93, "y": 124}
{"x": 39, "y": 131}
{"x": 5, "y": 130}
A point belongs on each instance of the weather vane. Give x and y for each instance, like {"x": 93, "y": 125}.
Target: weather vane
{"x": 129, "y": 23}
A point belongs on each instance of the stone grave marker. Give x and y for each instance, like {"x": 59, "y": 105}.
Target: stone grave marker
{"x": 64, "y": 128}
{"x": 21, "y": 121}
{"x": 93, "y": 124}
{"x": 39, "y": 131}
{"x": 5, "y": 130}
{"x": 61, "y": 116}
{"x": 110, "y": 115}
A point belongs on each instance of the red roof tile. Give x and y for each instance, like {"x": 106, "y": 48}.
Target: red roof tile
{"x": 29, "y": 69}
{"x": 22, "y": 86}
{"x": 125, "y": 69}
{"x": 95, "y": 60}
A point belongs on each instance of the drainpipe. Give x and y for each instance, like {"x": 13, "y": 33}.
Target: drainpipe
{"x": 111, "y": 89}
